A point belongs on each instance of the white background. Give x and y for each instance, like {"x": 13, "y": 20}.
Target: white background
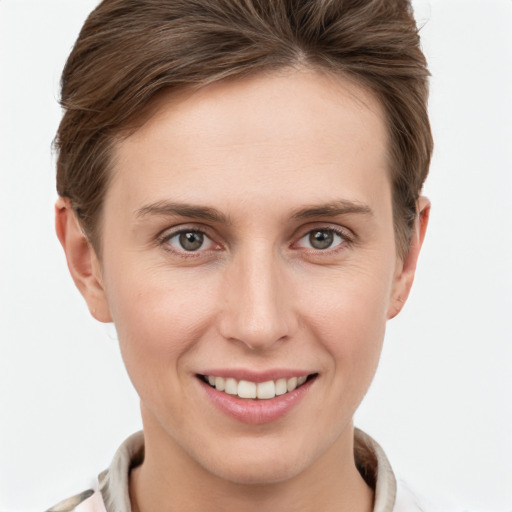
{"x": 441, "y": 403}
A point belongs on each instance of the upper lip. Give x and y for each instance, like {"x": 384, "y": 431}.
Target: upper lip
{"x": 255, "y": 375}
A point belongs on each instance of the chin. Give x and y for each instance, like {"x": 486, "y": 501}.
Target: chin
{"x": 256, "y": 463}
{"x": 261, "y": 472}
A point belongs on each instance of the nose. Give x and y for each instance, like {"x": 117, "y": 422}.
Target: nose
{"x": 258, "y": 301}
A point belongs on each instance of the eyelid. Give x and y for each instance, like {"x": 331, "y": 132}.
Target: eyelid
{"x": 162, "y": 239}
{"x": 349, "y": 238}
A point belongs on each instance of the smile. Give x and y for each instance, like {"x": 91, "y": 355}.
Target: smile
{"x": 256, "y": 398}
{"x": 255, "y": 390}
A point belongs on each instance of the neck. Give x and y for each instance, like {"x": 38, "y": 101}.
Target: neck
{"x": 170, "y": 481}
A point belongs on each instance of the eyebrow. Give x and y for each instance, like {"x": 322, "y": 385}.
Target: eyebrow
{"x": 332, "y": 209}
{"x": 168, "y": 209}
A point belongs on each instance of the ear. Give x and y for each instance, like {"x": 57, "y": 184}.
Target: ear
{"x": 406, "y": 268}
{"x": 82, "y": 261}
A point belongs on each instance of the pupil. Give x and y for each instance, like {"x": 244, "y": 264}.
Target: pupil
{"x": 321, "y": 239}
{"x": 191, "y": 241}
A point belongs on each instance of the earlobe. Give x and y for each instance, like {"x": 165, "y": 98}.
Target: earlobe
{"x": 407, "y": 267}
{"x": 82, "y": 260}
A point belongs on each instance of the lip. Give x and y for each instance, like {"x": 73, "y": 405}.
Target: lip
{"x": 255, "y": 412}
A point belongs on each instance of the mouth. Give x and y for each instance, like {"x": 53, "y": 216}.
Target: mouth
{"x": 247, "y": 389}
{"x": 256, "y": 398}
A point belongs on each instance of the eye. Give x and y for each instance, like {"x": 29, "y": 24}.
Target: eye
{"x": 189, "y": 241}
{"x": 322, "y": 239}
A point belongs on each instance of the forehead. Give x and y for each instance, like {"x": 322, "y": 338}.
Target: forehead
{"x": 298, "y": 130}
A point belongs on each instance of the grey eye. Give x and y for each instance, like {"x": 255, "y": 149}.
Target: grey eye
{"x": 191, "y": 240}
{"x": 321, "y": 239}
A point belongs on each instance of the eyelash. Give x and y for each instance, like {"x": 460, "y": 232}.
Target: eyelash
{"x": 346, "y": 239}
{"x": 164, "y": 240}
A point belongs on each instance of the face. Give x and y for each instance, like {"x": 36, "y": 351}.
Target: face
{"x": 247, "y": 240}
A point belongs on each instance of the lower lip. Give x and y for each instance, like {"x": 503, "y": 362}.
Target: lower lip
{"x": 256, "y": 412}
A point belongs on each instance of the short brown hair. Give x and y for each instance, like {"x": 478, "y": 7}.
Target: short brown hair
{"x": 128, "y": 51}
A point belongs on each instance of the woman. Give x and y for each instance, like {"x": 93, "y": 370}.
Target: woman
{"x": 239, "y": 192}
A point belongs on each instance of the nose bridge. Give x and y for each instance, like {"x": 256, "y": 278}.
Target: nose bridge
{"x": 258, "y": 310}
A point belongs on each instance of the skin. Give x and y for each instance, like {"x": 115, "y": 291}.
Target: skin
{"x": 256, "y": 295}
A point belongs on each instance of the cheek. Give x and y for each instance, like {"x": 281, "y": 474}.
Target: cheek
{"x": 159, "y": 318}
{"x": 349, "y": 317}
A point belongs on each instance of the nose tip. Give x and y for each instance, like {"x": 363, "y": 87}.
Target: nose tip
{"x": 257, "y": 330}
{"x": 259, "y": 307}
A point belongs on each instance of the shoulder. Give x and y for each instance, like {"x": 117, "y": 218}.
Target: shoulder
{"x": 87, "y": 501}
{"x": 110, "y": 490}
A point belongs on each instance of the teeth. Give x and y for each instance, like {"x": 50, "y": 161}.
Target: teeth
{"x": 291, "y": 384}
{"x": 266, "y": 390}
{"x": 260, "y": 390}
{"x": 231, "y": 386}
{"x": 281, "y": 388}
{"x": 219, "y": 383}
{"x": 246, "y": 389}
